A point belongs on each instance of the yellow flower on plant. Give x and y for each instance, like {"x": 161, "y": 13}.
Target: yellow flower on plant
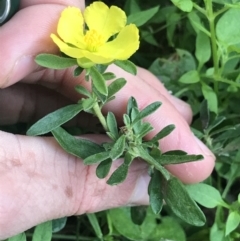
{"x": 94, "y": 44}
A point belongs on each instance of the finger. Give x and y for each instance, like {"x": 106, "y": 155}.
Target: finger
{"x": 180, "y": 139}
{"x": 40, "y": 182}
{"x": 182, "y": 107}
{"x": 26, "y": 35}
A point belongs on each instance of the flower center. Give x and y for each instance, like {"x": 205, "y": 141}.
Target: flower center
{"x": 93, "y": 40}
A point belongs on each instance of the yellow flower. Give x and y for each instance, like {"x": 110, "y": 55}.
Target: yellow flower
{"x": 94, "y": 45}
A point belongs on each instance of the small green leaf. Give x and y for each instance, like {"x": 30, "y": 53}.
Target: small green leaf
{"x": 218, "y": 120}
{"x": 94, "y": 222}
{"x": 82, "y": 90}
{"x": 144, "y": 129}
{"x": 141, "y": 17}
{"x": 55, "y": 62}
{"x": 54, "y": 120}
{"x": 119, "y": 175}
{"x": 138, "y": 214}
{"x": 109, "y": 76}
{"x": 233, "y": 221}
{"x": 126, "y": 120}
{"x": 205, "y": 195}
{"x": 164, "y": 132}
{"x": 126, "y": 65}
{"x": 77, "y": 71}
{"x": 88, "y": 104}
{"x": 175, "y": 152}
{"x": 98, "y": 81}
{"x": 180, "y": 202}
{"x": 103, "y": 168}
{"x": 128, "y": 158}
{"x": 132, "y": 103}
{"x": 79, "y": 147}
{"x": 211, "y": 97}
{"x": 154, "y": 191}
{"x": 184, "y": 5}
{"x": 115, "y": 86}
{"x": 177, "y": 159}
{"x": 147, "y": 111}
{"x": 112, "y": 124}
{"x": 58, "y": 224}
{"x": 43, "y": 232}
{"x": 96, "y": 158}
{"x": 118, "y": 148}
{"x": 203, "y": 48}
{"x": 190, "y": 77}
{"x": 19, "y": 237}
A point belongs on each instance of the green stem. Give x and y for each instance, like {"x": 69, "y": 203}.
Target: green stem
{"x": 211, "y": 19}
{"x": 100, "y": 116}
{"x": 201, "y": 10}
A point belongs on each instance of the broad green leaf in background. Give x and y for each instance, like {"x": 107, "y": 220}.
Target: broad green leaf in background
{"x": 126, "y": 65}
{"x": 43, "y": 232}
{"x": 184, "y": 5}
{"x": 211, "y": 97}
{"x": 138, "y": 214}
{"x": 58, "y": 224}
{"x": 180, "y": 202}
{"x": 227, "y": 27}
{"x": 203, "y": 48}
{"x": 216, "y": 234}
{"x": 19, "y": 237}
{"x": 55, "y": 62}
{"x": 94, "y": 222}
{"x": 98, "y": 81}
{"x": 205, "y": 195}
{"x": 190, "y": 77}
{"x": 233, "y": 221}
{"x": 131, "y": 6}
{"x": 54, "y": 120}
{"x": 140, "y": 18}
{"x": 79, "y": 147}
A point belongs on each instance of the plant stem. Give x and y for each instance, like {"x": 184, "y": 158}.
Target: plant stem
{"x": 100, "y": 116}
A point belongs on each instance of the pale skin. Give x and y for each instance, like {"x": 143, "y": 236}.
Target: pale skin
{"x": 38, "y": 180}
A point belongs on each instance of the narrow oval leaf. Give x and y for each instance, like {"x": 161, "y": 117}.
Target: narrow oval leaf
{"x": 98, "y": 81}
{"x": 180, "y": 202}
{"x": 109, "y": 76}
{"x": 112, "y": 124}
{"x": 144, "y": 129}
{"x": 147, "y": 111}
{"x": 58, "y": 224}
{"x": 190, "y": 77}
{"x": 79, "y": 147}
{"x": 132, "y": 103}
{"x": 43, "y": 232}
{"x": 119, "y": 175}
{"x": 154, "y": 192}
{"x": 233, "y": 221}
{"x": 52, "y": 61}
{"x": 103, "y": 168}
{"x": 115, "y": 86}
{"x": 205, "y": 195}
{"x": 19, "y": 237}
{"x": 54, "y": 120}
{"x": 141, "y": 17}
{"x": 82, "y": 90}
{"x": 177, "y": 159}
{"x": 126, "y": 65}
{"x": 96, "y": 158}
{"x": 77, "y": 71}
{"x": 164, "y": 132}
{"x": 118, "y": 148}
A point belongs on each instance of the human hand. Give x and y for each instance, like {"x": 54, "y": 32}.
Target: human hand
{"x": 38, "y": 180}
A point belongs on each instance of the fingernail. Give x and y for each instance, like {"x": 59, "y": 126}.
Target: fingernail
{"x": 22, "y": 67}
{"x": 205, "y": 150}
{"x": 140, "y": 195}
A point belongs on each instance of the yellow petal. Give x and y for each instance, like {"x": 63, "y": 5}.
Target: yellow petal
{"x": 66, "y": 49}
{"x": 125, "y": 44}
{"x": 105, "y": 20}
{"x": 70, "y": 27}
{"x": 97, "y": 58}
